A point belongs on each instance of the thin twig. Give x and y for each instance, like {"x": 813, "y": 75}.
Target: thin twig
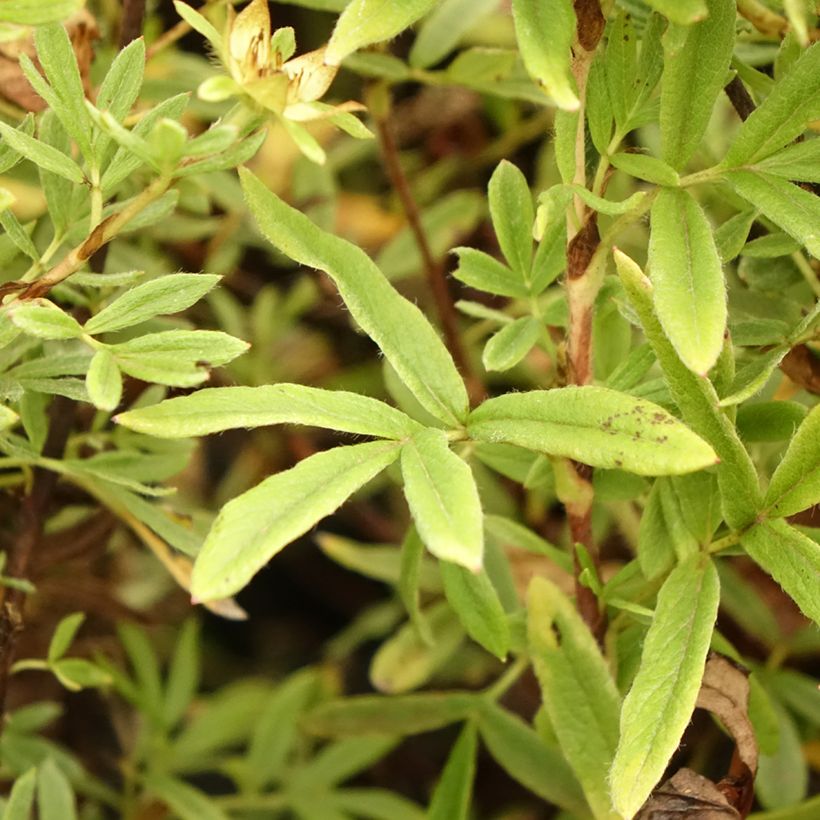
{"x": 740, "y": 98}
{"x": 133, "y": 16}
{"x": 433, "y": 269}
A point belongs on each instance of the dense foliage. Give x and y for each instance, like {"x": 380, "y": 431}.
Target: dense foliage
{"x": 525, "y": 332}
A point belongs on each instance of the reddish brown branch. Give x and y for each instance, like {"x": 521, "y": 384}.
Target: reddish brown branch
{"x": 133, "y": 15}
{"x": 433, "y": 268}
{"x": 740, "y": 98}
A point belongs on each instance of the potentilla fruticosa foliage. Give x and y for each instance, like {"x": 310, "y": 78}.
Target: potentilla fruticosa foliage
{"x": 509, "y": 307}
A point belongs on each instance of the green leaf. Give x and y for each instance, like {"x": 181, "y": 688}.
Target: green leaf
{"x": 770, "y": 420}
{"x": 444, "y": 28}
{"x": 443, "y": 499}
{"x": 451, "y": 798}
{"x": 186, "y": 802}
{"x": 253, "y": 527}
{"x": 694, "y": 72}
{"x": 731, "y": 236}
{"x": 545, "y": 35}
{"x": 795, "y": 485}
{"x": 21, "y": 797}
{"x": 37, "y": 12}
{"x": 510, "y": 533}
{"x": 577, "y": 688}
{"x": 800, "y": 161}
{"x": 340, "y": 760}
{"x": 395, "y": 715}
{"x": 660, "y": 703}
{"x": 783, "y": 778}
{"x": 55, "y": 797}
{"x": 199, "y": 23}
{"x": 475, "y": 601}
{"x": 372, "y": 21}
{"x": 374, "y": 804}
{"x": 511, "y": 344}
{"x": 176, "y": 357}
{"x": 594, "y": 425}
{"x": 183, "y": 673}
{"x": 56, "y": 56}
{"x": 398, "y": 327}
{"x": 513, "y": 215}
{"x": 57, "y": 189}
{"x": 620, "y": 62}
{"x": 528, "y": 759}
{"x": 410, "y": 582}
{"x": 791, "y": 558}
{"x": 686, "y": 272}
{"x": 643, "y": 166}
{"x": 78, "y": 673}
{"x": 683, "y": 12}
{"x": 737, "y": 476}
{"x": 145, "y": 664}
{"x": 42, "y": 318}
{"x": 8, "y": 156}
{"x": 167, "y": 294}
{"x": 405, "y": 661}
{"x": 42, "y": 155}
{"x": 791, "y": 105}
{"x": 226, "y": 408}
{"x": 479, "y": 270}
{"x": 794, "y": 210}
{"x": 64, "y": 635}
{"x": 18, "y": 235}
{"x": 277, "y": 729}
{"x": 104, "y": 381}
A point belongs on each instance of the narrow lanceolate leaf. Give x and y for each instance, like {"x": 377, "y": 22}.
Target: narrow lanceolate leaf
{"x": 228, "y": 408}
{"x": 800, "y": 161}
{"x": 796, "y": 211}
{"x": 398, "y": 327}
{"x": 55, "y": 798}
{"x": 372, "y": 21}
{"x": 104, "y": 381}
{"x": 443, "y": 499}
{"x": 791, "y": 558}
{"x": 479, "y": 270}
{"x": 44, "y": 319}
{"x": 792, "y": 104}
{"x": 662, "y": 698}
{"x": 737, "y": 476}
{"x": 451, "y": 799}
{"x": 41, "y": 154}
{"x": 594, "y": 425}
{"x": 690, "y": 294}
{"x": 683, "y": 12}
{"x": 37, "y": 12}
{"x": 694, "y": 72}
{"x": 578, "y": 691}
{"x": 545, "y": 33}
{"x": 443, "y": 29}
{"x": 478, "y": 606}
{"x": 513, "y": 215}
{"x": 795, "y": 485}
{"x": 252, "y": 528}
{"x": 159, "y": 297}
{"x": 21, "y": 798}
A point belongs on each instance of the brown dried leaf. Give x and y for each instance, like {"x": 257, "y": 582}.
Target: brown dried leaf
{"x": 687, "y": 795}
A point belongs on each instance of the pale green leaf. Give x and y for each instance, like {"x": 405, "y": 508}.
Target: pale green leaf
{"x": 476, "y": 602}
{"x": 104, "y": 381}
{"x": 183, "y": 673}
{"x": 795, "y": 485}
{"x": 372, "y": 21}
{"x": 577, "y": 689}
{"x": 791, "y": 558}
{"x": 800, "y": 161}
{"x": 55, "y": 797}
{"x": 694, "y": 72}
{"x": 683, "y": 12}
{"x": 451, "y": 798}
{"x": 521, "y": 752}
{"x": 594, "y": 425}
{"x": 660, "y": 703}
{"x": 42, "y": 318}
{"x": 340, "y": 760}
{"x": 646, "y": 167}
{"x": 253, "y": 527}
{"x": 545, "y": 34}
{"x": 200, "y": 24}
{"x": 186, "y": 802}
{"x": 41, "y": 154}
{"x": 64, "y": 634}
{"x": 21, "y": 797}
{"x": 796, "y": 211}
{"x": 791, "y": 105}
{"x": 737, "y": 476}
{"x": 511, "y": 344}
{"x": 411, "y": 582}
{"x": 443, "y": 499}
{"x": 513, "y": 215}
{"x": 479, "y": 270}
{"x": 398, "y": 327}
{"x": 57, "y": 189}
{"x": 37, "y": 12}
{"x": 442, "y": 30}
{"x": 783, "y": 777}
{"x": 405, "y": 661}
{"x": 686, "y": 272}
{"x": 226, "y": 408}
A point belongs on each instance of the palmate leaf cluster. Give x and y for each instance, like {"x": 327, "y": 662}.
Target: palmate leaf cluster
{"x": 699, "y": 240}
